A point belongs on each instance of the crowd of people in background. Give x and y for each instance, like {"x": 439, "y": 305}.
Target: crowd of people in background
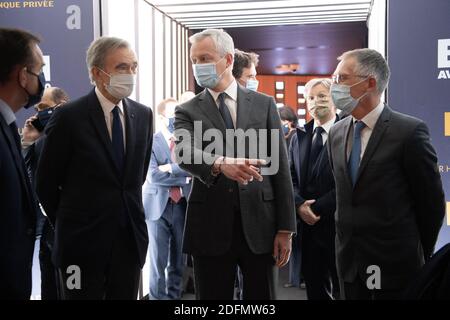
{"x": 100, "y": 180}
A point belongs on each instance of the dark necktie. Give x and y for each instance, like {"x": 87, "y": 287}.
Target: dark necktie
{"x": 175, "y": 192}
{"x": 225, "y": 112}
{"x": 316, "y": 146}
{"x": 355, "y": 154}
{"x": 117, "y": 139}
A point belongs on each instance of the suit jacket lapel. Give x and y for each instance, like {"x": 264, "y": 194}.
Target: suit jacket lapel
{"x": 244, "y": 102}
{"x": 343, "y": 154}
{"x": 19, "y": 163}
{"x": 160, "y": 141}
{"x": 304, "y": 150}
{"x": 209, "y": 108}
{"x": 99, "y": 123}
{"x": 375, "y": 138}
{"x": 130, "y": 129}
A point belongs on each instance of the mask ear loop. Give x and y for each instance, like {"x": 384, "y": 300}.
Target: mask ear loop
{"x": 359, "y": 99}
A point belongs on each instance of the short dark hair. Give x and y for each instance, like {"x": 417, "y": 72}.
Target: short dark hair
{"x": 286, "y": 113}
{"x": 16, "y": 50}
{"x": 243, "y": 60}
{"x": 59, "y": 95}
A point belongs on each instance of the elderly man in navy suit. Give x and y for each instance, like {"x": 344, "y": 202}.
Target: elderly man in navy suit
{"x": 164, "y": 194}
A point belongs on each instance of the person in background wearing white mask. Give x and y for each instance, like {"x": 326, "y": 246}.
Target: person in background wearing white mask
{"x": 390, "y": 202}
{"x": 90, "y": 176}
{"x": 244, "y": 69}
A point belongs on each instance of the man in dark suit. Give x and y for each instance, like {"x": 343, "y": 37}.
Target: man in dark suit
{"x": 21, "y": 84}
{"x": 32, "y": 143}
{"x": 90, "y": 177}
{"x": 390, "y": 202}
{"x": 237, "y": 215}
{"x": 165, "y": 193}
{"x": 315, "y": 197}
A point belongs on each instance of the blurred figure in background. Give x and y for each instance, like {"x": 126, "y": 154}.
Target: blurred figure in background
{"x": 244, "y": 69}
{"x": 186, "y": 96}
{"x": 33, "y": 139}
{"x": 314, "y": 191}
{"x": 164, "y": 194}
{"x": 289, "y": 123}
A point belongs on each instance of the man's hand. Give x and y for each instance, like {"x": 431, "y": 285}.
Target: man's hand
{"x": 29, "y": 133}
{"x": 306, "y": 214}
{"x": 240, "y": 169}
{"x": 282, "y": 247}
{"x": 165, "y": 167}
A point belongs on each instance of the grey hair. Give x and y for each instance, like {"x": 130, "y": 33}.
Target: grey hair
{"x": 99, "y": 49}
{"x": 370, "y": 63}
{"x": 315, "y": 82}
{"x": 222, "y": 40}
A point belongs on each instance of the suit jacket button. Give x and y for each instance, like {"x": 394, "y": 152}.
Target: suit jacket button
{"x": 29, "y": 231}
{"x": 230, "y": 190}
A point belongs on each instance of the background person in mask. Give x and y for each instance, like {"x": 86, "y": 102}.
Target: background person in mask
{"x": 235, "y": 216}
{"x": 289, "y": 122}
{"x": 21, "y": 84}
{"x": 32, "y": 142}
{"x": 90, "y": 177}
{"x": 314, "y": 192}
{"x": 244, "y": 69}
{"x": 390, "y": 202}
{"x": 165, "y": 193}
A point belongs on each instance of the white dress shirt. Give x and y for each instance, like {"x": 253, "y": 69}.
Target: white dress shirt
{"x": 107, "y": 107}
{"x": 230, "y": 99}
{"x": 326, "y": 127}
{"x": 369, "y": 120}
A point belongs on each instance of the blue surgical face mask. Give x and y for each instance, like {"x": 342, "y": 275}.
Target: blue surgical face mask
{"x": 36, "y": 98}
{"x": 252, "y": 84}
{"x": 285, "y": 129}
{"x": 171, "y": 126}
{"x": 206, "y": 74}
{"x": 342, "y": 98}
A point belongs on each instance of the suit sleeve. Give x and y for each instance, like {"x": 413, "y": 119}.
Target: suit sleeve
{"x": 298, "y": 199}
{"x": 149, "y": 144}
{"x": 189, "y": 154}
{"x": 53, "y": 162}
{"x": 282, "y": 181}
{"x": 164, "y": 179}
{"x": 420, "y": 162}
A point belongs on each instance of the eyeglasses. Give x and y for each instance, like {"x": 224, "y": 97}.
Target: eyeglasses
{"x": 340, "y": 78}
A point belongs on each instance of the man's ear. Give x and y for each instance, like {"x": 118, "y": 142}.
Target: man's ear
{"x": 23, "y": 77}
{"x": 230, "y": 59}
{"x": 372, "y": 84}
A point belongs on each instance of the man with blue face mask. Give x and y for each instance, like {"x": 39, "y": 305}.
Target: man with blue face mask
{"x": 165, "y": 194}
{"x": 90, "y": 175}
{"x": 237, "y": 215}
{"x": 244, "y": 69}
{"x": 21, "y": 84}
{"x": 390, "y": 202}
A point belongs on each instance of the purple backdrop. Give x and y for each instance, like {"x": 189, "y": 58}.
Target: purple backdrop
{"x": 66, "y": 30}
{"x": 414, "y": 28}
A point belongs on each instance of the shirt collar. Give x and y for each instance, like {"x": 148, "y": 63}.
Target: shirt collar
{"x": 7, "y": 112}
{"x": 326, "y": 126}
{"x": 107, "y": 105}
{"x": 372, "y": 117}
{"x": 231, "y": 91}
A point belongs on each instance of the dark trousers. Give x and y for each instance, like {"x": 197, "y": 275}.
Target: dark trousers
{"x": 117, "y": 279}
{"x": 165, "y": 252}
{"x": 215, "y": 275}
{"x": 357, "y": 290}
{"x": 49, "y": 287}
{"x": 318, "y": 265}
